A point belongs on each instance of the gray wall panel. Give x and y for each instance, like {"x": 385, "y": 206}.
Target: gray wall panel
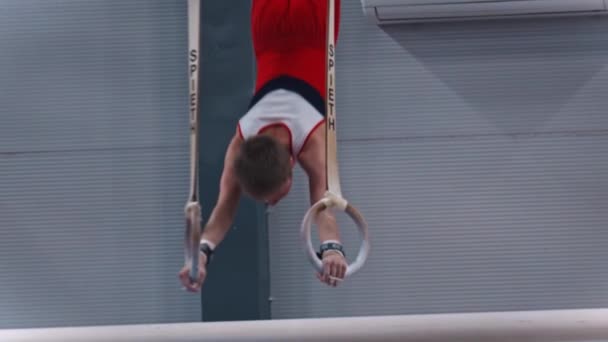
{"x": 92, "y": 238}
{"x": 99, "y": 74}
{"x": 93, "y": 162}
{"x": 471, "y": 78}
{"x": 477, "y": 152}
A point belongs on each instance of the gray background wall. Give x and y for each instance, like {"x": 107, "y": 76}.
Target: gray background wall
{"x": 477, "y": 153}
{"x": 94, "y": 163}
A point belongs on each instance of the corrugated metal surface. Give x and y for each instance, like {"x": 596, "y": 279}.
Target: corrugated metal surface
{"x": 477, "y": 152}
{"x": 93, "y": 162}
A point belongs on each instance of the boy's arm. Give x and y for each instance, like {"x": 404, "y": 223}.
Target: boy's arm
{"x": 221, "y": 217}
{"x": 224, "y": 211}
{"x": 312, "y": 160}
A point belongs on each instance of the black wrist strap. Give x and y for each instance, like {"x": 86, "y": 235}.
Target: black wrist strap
{"x": 330, "y": 246}
{"x": 204, "y": 248}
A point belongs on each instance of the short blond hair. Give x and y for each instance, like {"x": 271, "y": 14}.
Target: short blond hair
{"x": 262, "y": 165}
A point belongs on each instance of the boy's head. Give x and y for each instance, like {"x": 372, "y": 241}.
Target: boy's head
{"x": 263, "y": 168}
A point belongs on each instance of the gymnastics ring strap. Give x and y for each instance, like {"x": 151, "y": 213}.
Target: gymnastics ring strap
{"x": 333, "y": 195}
{"x": 192, "y": 209}
{"x": 332, "y": 201}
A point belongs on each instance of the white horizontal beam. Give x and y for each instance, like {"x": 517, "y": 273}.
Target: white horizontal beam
{"x": 526, "y": 326}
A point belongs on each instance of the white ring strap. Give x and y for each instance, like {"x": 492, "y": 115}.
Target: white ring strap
{"x": 193, "y": 208}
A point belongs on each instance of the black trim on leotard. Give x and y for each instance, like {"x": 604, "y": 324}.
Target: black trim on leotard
{"x": 309, "y": 93}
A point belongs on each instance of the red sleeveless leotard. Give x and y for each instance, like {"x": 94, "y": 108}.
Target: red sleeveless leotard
{"x": 289, "y": 38}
